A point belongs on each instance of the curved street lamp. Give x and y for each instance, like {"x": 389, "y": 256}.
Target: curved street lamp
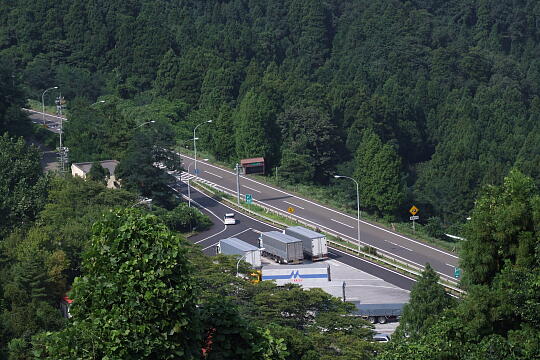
{"x": 43, "y": 103}
{"x": 357, "y": 203}
{"x": 148, "y": 122}
{"x": 195, "y": 138}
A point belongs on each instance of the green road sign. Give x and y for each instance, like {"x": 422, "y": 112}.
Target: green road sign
{"x": 249, "y": 199}
{"x": 457, "y": 273}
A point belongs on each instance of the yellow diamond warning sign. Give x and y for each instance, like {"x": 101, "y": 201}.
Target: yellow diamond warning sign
{"x": 414, "y": 210}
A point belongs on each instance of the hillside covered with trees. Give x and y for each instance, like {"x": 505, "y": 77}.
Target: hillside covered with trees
{"x": 425, "y": 101}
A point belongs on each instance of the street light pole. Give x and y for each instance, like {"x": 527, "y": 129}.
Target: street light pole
{"x": 195, "y": 144}
{"x": 188, "y": 184}
{"x": 148, "y": 122}
{"x": 237, "y": 184}
{"x": 43, "y": 103}
{"x": 357, "y": 203}
{"x": 241, "y": 257}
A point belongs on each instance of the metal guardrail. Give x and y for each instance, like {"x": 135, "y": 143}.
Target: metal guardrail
{"x": 392, "y": 262}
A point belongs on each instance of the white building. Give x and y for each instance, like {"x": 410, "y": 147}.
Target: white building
{"x": 82, "y": 169}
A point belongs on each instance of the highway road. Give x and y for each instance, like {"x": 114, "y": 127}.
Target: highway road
{"x": 51, "y": 121}
{"x": 248, "y": 229}
{"x": 325, "y": 218}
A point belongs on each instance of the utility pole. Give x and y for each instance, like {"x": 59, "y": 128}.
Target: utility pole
{"x": 343, "y": 287}
{"x": 237, "y": 184}
{"x": 62, "y": 150}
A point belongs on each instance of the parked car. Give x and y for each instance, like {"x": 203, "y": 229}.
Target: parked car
{"x": 381, "y": 337}
{"x": 229, "y": 219}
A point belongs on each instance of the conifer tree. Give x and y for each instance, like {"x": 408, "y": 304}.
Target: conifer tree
{"x": 428, "y": 300}
{"x": 378, "y": 174}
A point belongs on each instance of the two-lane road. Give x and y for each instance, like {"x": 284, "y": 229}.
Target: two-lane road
{"x": 325, "y": 218}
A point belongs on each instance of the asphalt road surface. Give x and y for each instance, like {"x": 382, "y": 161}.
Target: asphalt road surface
{"x": 385, "y": 241}
{"x": 248, "y": 229}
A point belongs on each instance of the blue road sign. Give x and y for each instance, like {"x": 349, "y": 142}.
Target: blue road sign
{"x": 197, "y": 171}
{"x": 249, "y": 199}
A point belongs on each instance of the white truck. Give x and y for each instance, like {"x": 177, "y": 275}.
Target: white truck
{"x": 314, "y": 243}
{"x": 297, "y": 274}
{"x": 281, "y": 247}
{"x": 233, "y": 246}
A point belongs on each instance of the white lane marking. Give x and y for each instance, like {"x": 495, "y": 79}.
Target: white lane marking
{"x": 211, "y": 236}
{"x": 241, "y": 232}
{"x": 403, "y": 247}
{"x": 452, "y": 266}
{"x": 339, "y": 222}
{"x": 208, "y": 247}
{"x": 211, "y": 173}
{"x": 252, "y": 189}
{"x": 298, "y": 206}
{"x": 335, "y": 211}
{"x": 359, "y": 285}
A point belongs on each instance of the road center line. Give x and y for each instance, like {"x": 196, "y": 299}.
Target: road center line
{"x": 218, "y": 176}
{"x": 241, "y": 232}
{"x": 403, "y": 247}
{"x": 286, "y": 202}
{"x": 339, "y": 222}
{"x": 252, "y": 189}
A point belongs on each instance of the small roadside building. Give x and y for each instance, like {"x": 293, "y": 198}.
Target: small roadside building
{"x": 252, "y": 166}
{"x": 83, "y": 168}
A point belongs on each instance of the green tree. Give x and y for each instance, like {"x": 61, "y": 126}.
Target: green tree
{"x": 503, "y": 227}
{"x": 253, "y": 124}
{"x": 296, "y": 168}
{"x": 21, "y": 181}
{"x": 137, "y": 171}
{"x": 309, "y": 132}
{"x": 98, "y": 173}
{"x": 428, "y": 301}
{"x": 378, "y": 172}
{"x": 120, "y": 301}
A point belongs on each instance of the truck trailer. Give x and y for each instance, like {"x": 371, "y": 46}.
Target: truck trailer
{"x": 281, "y": 247}
{"x": 381, "y": 313}
{"x": 234, "y": 246}
{"x": 314, "y": 243}
{"x": 297, "y": 274}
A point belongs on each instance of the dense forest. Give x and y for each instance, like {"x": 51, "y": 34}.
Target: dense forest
{"x": 424, "y": 101}
{"x": 431, "y": 102}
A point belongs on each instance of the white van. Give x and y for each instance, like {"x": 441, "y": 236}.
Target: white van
{"x": 229, "y": 219}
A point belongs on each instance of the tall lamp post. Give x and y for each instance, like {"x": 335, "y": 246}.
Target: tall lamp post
{"x": 357, "y": 203}
{"x": 195, "y": 138}
{"x": 241, "y": 257}
{"x": 148, "y": 122}
{"x": 43, "y": 102}
{"x": 188, "y": 186}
